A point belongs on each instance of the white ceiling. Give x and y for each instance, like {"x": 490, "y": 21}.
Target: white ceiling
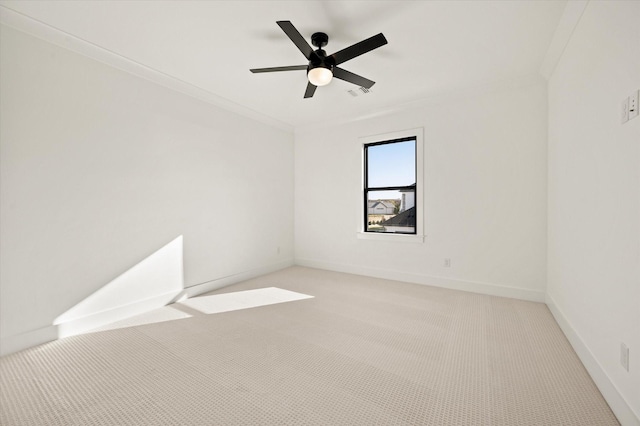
{"x": 435, "y": 47}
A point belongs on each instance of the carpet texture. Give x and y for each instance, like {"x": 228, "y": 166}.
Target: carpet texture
{"x": 362, "y": 351}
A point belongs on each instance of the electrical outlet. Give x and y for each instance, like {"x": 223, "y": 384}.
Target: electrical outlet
{"x": 625, "y": 111}
{"x": 633, "y": 104}
{"x": 624, "y": 356}
{"x": 447, "y": 262}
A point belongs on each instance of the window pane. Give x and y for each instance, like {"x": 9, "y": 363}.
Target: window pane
{"x": 391, "y": 212}
{"x": 392, "y": 164}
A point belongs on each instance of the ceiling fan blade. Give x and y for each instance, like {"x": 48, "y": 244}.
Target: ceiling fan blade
{"x": 359, "y": 48}
{"x": 274, "y": 69}
{"x": 356, "y": 79}
{"x": 296, "y": 38}
{"x": 311, "y": 89}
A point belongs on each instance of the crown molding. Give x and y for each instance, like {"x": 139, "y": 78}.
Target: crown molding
{"x": 43, "y": 31}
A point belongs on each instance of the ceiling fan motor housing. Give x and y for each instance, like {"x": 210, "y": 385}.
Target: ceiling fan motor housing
{"x": 319, "y": 40}
{"x": 320, "y": 59}
{"x": 320, "y": 69}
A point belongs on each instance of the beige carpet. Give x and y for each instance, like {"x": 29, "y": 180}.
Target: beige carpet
{"x": 362, "y": 351}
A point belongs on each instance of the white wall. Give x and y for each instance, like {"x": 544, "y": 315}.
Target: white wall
{"x": 484, "y": 195}
{"x": 101, "y": 169}
{"x": 594, "y": 199}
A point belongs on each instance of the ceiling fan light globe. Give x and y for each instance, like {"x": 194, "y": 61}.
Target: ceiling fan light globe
{"x": 319, "y": 76}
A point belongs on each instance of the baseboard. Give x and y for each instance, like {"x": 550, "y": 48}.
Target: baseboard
{"x": 11, "y": 344}
{"x": 81, "y": 325}
{"x": 623, "y": 411}
{"x": 99, "y": 319}
{"x": 28, "y": 339}
{"x": 454, "y": 284}
{"x": 198, "y": 289}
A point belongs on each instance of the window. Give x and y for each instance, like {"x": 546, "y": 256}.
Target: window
{"x": 392, "y": 186}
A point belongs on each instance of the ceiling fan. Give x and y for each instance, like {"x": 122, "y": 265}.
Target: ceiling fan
{"x": 322, "y": 68}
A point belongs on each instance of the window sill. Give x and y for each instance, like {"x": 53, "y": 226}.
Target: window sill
{"x": 398, "y": 238}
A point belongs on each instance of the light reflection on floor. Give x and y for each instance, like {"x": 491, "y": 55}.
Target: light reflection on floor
{"x": 226, "y": 302}
{"x": 212, "y": 304}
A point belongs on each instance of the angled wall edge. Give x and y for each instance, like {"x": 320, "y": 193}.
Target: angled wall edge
{"x": 616, "y": 401}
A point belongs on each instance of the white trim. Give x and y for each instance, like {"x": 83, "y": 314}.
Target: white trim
{"x": 83, "y": 324}
{"x": 75, "y": 44}
{"x": 398, "y": 238}
{"x": 215, "y": 284}
{"x": 11, "y": 344}
{"x": 28, "y": 339}
{"x": 418, "y": 237}
{"x": 568, "y": 21}
{"x": 444, "y": 282}
{"x": 86, "y": 323}
{"x": 620, "y": 407}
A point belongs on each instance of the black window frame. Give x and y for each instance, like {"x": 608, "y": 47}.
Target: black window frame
{"x": 367, "y": 189}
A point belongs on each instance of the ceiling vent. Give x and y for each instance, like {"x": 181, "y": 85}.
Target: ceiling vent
{"x": 361, "y": 90}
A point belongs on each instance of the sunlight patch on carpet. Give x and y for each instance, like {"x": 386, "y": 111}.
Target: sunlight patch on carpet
{"x": 226, "y": 302}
